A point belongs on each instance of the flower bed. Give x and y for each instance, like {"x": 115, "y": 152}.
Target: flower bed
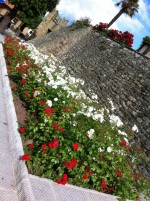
{"x": 124, "y": 38}
{"x": 68, "y": 137}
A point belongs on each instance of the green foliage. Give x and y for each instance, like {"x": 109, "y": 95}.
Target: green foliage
{"x": 79, "y": 24}
{"x": 146, "y": 41}
{"x": 31, "y": 11}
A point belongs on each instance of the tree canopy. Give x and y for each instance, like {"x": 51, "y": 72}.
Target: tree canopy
{"x": 32, "y": 11}
{"x": 129, "y": 7}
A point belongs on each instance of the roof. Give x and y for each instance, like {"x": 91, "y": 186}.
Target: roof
{"x": 11, "y": 6}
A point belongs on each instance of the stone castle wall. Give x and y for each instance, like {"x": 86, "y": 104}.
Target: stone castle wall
{"x": 110, "y": 71}
{"x": 51, "y": 22}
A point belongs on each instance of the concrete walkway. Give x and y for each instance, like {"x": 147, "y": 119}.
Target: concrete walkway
{"x": 1, "y": 38}
{"x": 7, "y": 177}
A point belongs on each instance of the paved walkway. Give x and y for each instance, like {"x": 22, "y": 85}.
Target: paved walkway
{"x": 8, "y": 191}
{"x": 1, "y": 38}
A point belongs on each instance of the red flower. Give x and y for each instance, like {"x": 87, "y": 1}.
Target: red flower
{"x": 41, "y": 102}
{"x": 85, "y": 176}
{"x": 22, "y": 130}
{"x": 90, "y": 173}
{"x": 123, "y": 143}
{"x": 24, "y": 81}
{"x": 75, "y": 146}
{"x": 25, "y": 92}
{"x": 45, "y": 151}
{"x": 26, "y": 157}
{"x": 51, "y": 145}
{"x": 55, "y": 143}
{"x": 137, "y": 197}
{"x": 71, "y": 164}
{"x": 62, "y": 129}
{"x": 9, "y": 68}
{"x": 43, "y": 146}
{"x": 31, "y": 145}
{"x": 135, "y": 176}
{"x": 65, "y": 177}
{"x": 14, "y": 87}
{"x": 103, "y": 184}
{"x": 86, "y": 170}
{"x": 28, "y": 99}
{"x": 111, "y": 188}
{"x": 118, "y": 172}
{"x": 66, "y": 110}
{"x": 47, "y": 110}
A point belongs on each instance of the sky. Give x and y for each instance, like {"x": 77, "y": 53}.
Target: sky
{"x": 104, "y": 11}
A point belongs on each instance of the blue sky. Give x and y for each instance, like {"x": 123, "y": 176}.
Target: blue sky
{"x": 104, "y": 11}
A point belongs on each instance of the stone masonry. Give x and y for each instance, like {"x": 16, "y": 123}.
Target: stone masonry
{"x": 111, "y": 71}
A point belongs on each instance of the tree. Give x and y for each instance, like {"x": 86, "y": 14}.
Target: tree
{"x": 30, "y": 11}
{"x": 130, "y": 7}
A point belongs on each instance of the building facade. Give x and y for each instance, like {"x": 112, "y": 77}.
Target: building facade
{"x": 145, "y": 50}
{"x": 51, "y": 22}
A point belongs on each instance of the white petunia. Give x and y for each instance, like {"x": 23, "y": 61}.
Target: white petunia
{"x": 36, "y": 93}
{"x": 90, "y": 133}
{"x": 55, "y": 99}
{"x": 49, "y": 103}
{"x": 100, "y": 150}
{"x": 109, "y": 149}
{"x": 116, "y": 120}
{"x": 135, "y": 128}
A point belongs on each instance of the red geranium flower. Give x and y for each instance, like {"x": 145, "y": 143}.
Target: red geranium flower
{"x": 55, "y": 143}
{"x": 103, "y": 184}
{"x": 22, "y": 130}
{"x": 43, "y": 146}
{"x": 41, "y": 102}
{"x": 24, "y": 81}
{"x": 118, "y": 172}
{"x": 31, "y": 145}
{"x": 65, "y": 177}
{"x": 9, "y": 68}
{"x": 75, "y": 146}
{"x": 62, "y": 129}
{"x": 85, "y": 176}
{"x": 86, "y": 170}
{"x": 123, "y": 143}
{"x": 90, "y": 173}
{"x": 25, "y": 92}
{"x": 137, "y": 197}
{"x": 14, "y": 87}
{"x": 26, "y": 157}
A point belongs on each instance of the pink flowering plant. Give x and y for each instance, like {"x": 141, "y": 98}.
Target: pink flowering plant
{"x": 124, "y": 38}
{"x": 68, "y": 137}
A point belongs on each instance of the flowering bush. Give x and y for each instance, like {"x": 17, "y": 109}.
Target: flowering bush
{"x": 125, "y": 38}
{"x": 72, "y": 139}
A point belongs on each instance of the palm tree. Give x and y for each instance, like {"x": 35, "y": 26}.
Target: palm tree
{"x": 127, "y": 6}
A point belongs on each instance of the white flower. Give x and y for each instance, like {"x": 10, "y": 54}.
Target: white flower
{"x": 135, "y": 128}
{"x": 90, "y": 133}
{"x": 24, "y": 76}
{"x": 100, "y": 150}
{"x": 126, "y": 140}
{"x": 55, "y": 99}
{"x": 122, "y": 133}
{"x": 49, "y": 103}
{"x": 36, "y": 93}
{"x": 109, "y": 149}
{"x": 115, "y": 120}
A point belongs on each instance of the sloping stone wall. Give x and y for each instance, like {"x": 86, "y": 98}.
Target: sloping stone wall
{"x": 110, "y": 71}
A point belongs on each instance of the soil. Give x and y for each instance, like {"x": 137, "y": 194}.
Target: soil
{"x": 20, "y": 107}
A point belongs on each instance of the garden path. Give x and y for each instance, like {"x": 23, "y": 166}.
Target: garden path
{"x": 7, "y": 177}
